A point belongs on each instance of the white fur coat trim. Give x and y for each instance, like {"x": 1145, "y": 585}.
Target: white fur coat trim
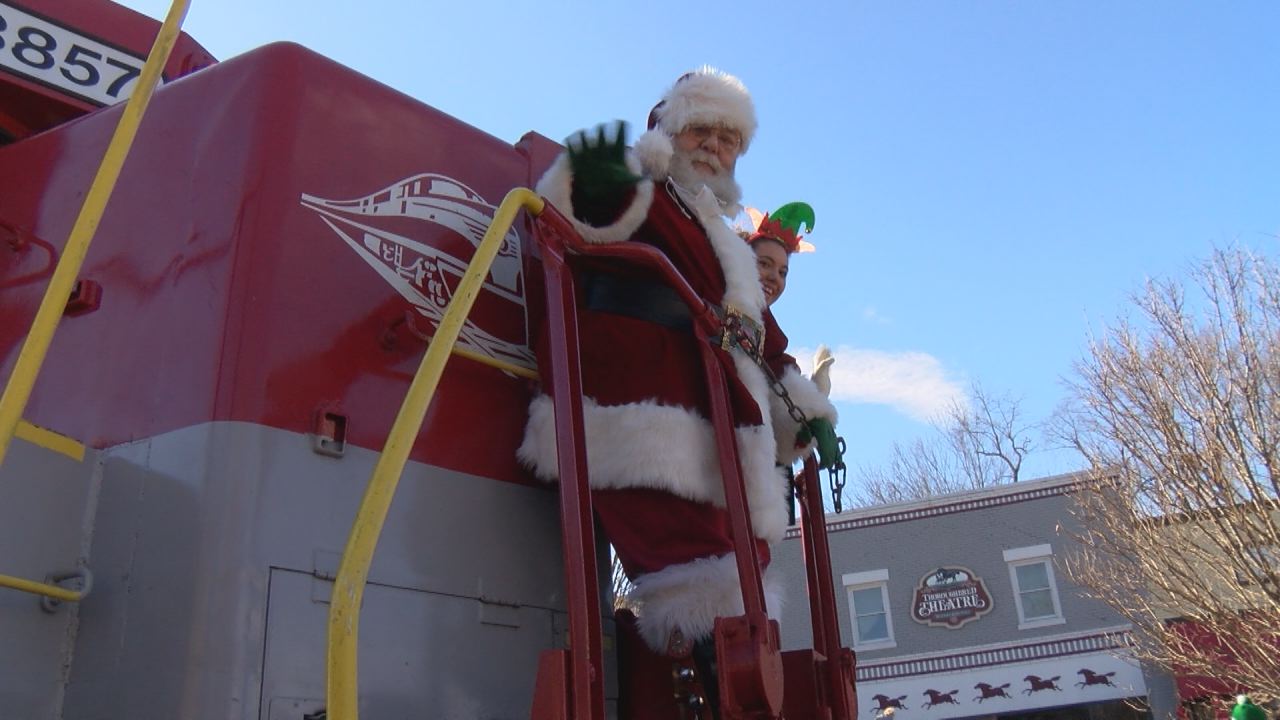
{"x": 691, "y": 596}
{"x": 809, "y": 398}
{"x": 556, "y": 186}
{"x": 737, "y": 260}
{"x": 648, "y": 445}
{"x": 771, "y": 526}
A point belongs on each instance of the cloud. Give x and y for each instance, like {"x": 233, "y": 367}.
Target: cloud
{"x": 872, "y": 315}
{"x": 912, "y": 383}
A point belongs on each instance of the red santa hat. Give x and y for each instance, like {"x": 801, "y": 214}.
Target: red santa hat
{"x": 705, "y": 96}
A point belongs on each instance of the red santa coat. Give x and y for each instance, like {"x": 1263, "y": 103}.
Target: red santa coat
{"x": 651, "y": 455}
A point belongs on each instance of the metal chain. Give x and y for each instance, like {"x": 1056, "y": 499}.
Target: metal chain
{"x": 836, "y": 473}
{"x": 781, "y": 391}
{"x": 835, "y": 478}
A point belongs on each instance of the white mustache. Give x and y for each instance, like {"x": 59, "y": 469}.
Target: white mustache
{"x": 703, "y": 156}
{"x": 720, "y": 182}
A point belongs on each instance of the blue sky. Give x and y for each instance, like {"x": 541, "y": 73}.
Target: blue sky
{"x": 991, "y": 179}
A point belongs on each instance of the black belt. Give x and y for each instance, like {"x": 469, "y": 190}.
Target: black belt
{"x": 635, "y": 298}
{"x": 661, "y": 305}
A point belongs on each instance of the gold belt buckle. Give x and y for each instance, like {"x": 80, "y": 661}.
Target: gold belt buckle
{"x": 740, "y": 331}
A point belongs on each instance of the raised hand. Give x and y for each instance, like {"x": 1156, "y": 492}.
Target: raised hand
{"x": 821, "y": 376}
{"x": 602, "y": 182}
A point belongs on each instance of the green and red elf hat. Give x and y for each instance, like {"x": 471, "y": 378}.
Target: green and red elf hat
{"x": 783, "y": 226}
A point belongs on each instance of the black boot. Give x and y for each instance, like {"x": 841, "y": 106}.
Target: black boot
{"x": 704, "y": 659}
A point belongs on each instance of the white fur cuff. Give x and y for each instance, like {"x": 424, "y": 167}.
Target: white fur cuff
{"x": 809, "y": 398}
{"x": 691, "y": 596}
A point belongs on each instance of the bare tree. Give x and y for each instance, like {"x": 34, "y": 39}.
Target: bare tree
{"x": 990, "y": 436}
{"x": 619, "y": 582}
{"x": 1178, "y": 412}
{"x": 973, "y": 445}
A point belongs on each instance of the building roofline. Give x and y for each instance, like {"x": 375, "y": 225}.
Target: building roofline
{"x": 1110, "y": 640}
{"x": 964, "y": 501}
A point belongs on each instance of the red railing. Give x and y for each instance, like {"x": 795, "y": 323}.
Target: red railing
{"x": 837, "y": 664}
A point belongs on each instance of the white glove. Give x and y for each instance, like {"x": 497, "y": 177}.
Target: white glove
{"x": 822, "y": 362}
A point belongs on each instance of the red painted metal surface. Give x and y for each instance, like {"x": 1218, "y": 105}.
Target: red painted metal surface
{"x": 806, "y": 695}
{"x": 748, "y": 649}
{"x": 86, "y": 297}
{"x": 734, "y": 485}
{"x": 585, "y": 678}
{"x": 750, "y": 665}
{"x": 232, "y": 292}
{"x": 550, "y": 694}
{"x": 837, "y": 665}
{"x": 78, "y": 56}
{"x": 1192, "y": 686}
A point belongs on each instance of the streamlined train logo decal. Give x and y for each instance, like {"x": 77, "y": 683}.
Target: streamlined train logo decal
{"x": 419, "y": 235}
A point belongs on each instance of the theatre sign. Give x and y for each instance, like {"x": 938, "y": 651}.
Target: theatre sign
{"x": 950, "y": 597}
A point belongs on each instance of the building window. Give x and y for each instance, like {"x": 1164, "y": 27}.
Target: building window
{"x": 1260, "y": 561}
{"x": 869, "y": 609}
{"x": 1035, "y": 590}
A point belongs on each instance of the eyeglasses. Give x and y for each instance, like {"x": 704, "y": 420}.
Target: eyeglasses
{"x": 727, "y": 138}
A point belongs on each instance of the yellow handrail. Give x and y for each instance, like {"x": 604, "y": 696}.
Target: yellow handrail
{"x": 53, "y": 591}
{"x": 18, "y": 390}
{"x": 50, "y": 440}
{"x": 36, "y": 588}
{"x": 348, "y": 588}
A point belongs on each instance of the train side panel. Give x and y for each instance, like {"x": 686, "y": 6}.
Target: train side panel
{"x": 283, "y": 238}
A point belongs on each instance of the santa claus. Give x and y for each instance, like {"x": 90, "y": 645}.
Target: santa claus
{"x": 653, "y": 468}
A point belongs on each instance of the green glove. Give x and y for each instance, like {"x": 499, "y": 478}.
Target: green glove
{"x": 828, "y": 444}
{"x": 602, "y": 182}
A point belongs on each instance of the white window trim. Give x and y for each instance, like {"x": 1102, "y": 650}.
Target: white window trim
{"x": 1028, "y": 553}
{"x": 869, "y": 577}
{"x": 1262, "y": 554}
{"x": 865, "y": 581}
{"x": 1017, "y": 557}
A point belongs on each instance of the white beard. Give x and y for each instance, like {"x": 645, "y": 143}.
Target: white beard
{"x": 722, "y": 184}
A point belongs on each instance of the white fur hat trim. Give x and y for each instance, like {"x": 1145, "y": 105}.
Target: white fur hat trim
{"x": 654, "y": 150}
{"x": 710, "y": 97}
